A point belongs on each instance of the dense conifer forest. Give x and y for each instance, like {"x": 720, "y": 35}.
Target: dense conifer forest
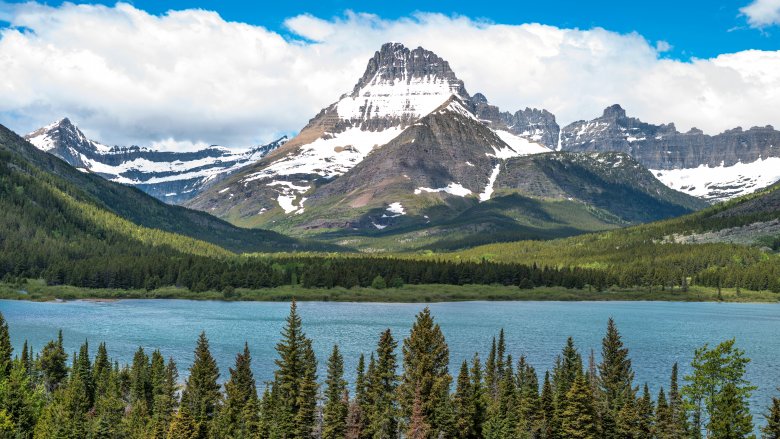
{"x": 404, "y": 389}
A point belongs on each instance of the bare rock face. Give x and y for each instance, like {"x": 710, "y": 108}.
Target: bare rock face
{"x": 531, "y": 124}
{"x": 173, "y": 177}
{"x": 663, "y": 147}
{"x": 714, "y": 168}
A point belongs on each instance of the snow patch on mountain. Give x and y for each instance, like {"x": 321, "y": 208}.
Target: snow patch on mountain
{"x": 488, "y": 192}
{"x": 452, "y": 189}
{"x": 329, "y": 156}
{"x": 722, "y": 183}
{"x": 518, "y": 146}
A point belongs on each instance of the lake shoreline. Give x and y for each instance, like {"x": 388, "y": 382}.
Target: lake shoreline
{"x": 38, "y": 291}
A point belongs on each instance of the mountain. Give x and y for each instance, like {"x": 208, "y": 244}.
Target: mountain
{"x": 409, "y": 159}
{"x": 714, "y": 168}
{"x": 399, "y": 87}
{"x": 92, "y": 196}
{"x": 173, "y": 177}
{"x": 531, "y": 124}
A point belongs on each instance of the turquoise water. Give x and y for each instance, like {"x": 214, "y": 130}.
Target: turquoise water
{"x": 657, "y": 333}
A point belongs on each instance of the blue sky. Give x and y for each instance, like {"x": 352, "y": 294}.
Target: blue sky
{"x": 181, "y": 74}
{"x": 694, "y": 28}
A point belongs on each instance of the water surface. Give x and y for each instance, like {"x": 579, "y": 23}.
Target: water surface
{"x": 657, "y": 333}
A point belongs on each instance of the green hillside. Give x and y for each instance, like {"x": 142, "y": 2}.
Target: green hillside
{"x": 132, "y": 204}
{"x": 733, "y": 244}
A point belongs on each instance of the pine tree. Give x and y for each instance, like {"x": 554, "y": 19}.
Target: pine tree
{"x": 491, "y": 375}
{"x": 730, "y": 416}
{"x": 418, "y": 425}
{"x": 336, "y": 408}
{"x": 426, "y": 377}
{"x": 616, "y": 379}
{"x": 383, "y": 381}
{"x": 479, "y": 396}
{"x": 358, "y": 412}
{"x": 545, "y": 418}
{"x": 201, "y": 395}
{"x": 677, "y": 412}
{"x": 101, "y": 371}
{"x": 53, "y": 363}
{"x": 628, "y": 421}
{"x": 772, "y": 428}
{"x": 568, "y": 366}
{"x": 578, "y": 418}
{"x": 305, "y": 419}
{"x": 463, "y": 405}
{"x": 294, "y": 385}
{"x": 6, "y": 350}
{"x": 84, "y": 369}
{"x": 238, "y": 417}
{"x": 646, "y": 415}
{"x": 528, "y": 397}
{"x": 183, "y": 426}
{"x": 664, "y": 427}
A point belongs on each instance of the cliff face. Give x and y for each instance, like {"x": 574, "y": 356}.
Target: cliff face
{"x": 662, "y": 147}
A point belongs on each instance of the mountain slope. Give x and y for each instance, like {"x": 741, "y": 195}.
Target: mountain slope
{"x": 450, "y": 181}
{"x": 134, "y": 205}
{"x": 715, "y": 168}
{"x": 173, "y": 177}
{"x": 398, "y": 88}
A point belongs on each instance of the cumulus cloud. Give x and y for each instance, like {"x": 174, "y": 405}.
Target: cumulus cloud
{"x": 762, "y": 13}
{"x": 189, "y": 76}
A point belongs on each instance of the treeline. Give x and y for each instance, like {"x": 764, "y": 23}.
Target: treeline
{"x": 413, "y": 396}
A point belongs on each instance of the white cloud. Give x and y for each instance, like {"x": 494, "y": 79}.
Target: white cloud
{"x": 192, "y": 77}
{"x": 762, "y": 13}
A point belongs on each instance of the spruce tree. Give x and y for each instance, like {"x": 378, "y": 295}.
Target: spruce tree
{"x": 383, "y": 381}
{"x": 238, "y": 416}
{"x": 84, "y": 369}
{"x": 478, "y": 395}
{"x": 358, "y": 412}
{"x": 201, "y": 395}
{"x": 290, "y": 369}
{"x": 101, "y": 371}
{"x": 6, "y": 350}
{"x": 616, "y": 380}
{"x": 547, "y": 413}
{"x": 578, "y": 418}
{"x": 646, "y": 415}
{"x": 462, "y": 402}
{"x": 305, "y": 418}
{"x": 334, "y": 413}
{"x": 426, "y": 377}
{"x": 419, "y": 428}
{"x": 53, "y": 363}
{"x": 664, "y": 428}
{"x": 772, "y": 428}
{"x": 183, "y": 426}
{"x": 730, "y": 416}
{"x": 491, "y": 374}
{"x": 677, "y": 412}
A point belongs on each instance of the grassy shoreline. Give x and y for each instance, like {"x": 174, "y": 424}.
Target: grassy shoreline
{"x": 35, "y": 290}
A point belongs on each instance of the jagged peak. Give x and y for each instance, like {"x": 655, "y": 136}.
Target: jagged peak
{"x": 396, "y": 62}
{"x": 614, "y": 112}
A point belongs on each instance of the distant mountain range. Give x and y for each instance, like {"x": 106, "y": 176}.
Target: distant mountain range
{"x": 715, "y": 168}
{"x": 173, "y": 177}
{"x": 409, "y": 158}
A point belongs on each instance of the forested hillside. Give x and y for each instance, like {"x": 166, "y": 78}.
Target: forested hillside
{"x": 733, "y": 244}
{"x": 130, "y": 203}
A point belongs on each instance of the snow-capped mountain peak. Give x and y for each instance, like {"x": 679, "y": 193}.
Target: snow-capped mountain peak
{"x": 399, "y": 86}
{"x": 170, "y": 176}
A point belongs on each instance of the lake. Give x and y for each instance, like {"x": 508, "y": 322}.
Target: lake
{"x": 657, "y": 333}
